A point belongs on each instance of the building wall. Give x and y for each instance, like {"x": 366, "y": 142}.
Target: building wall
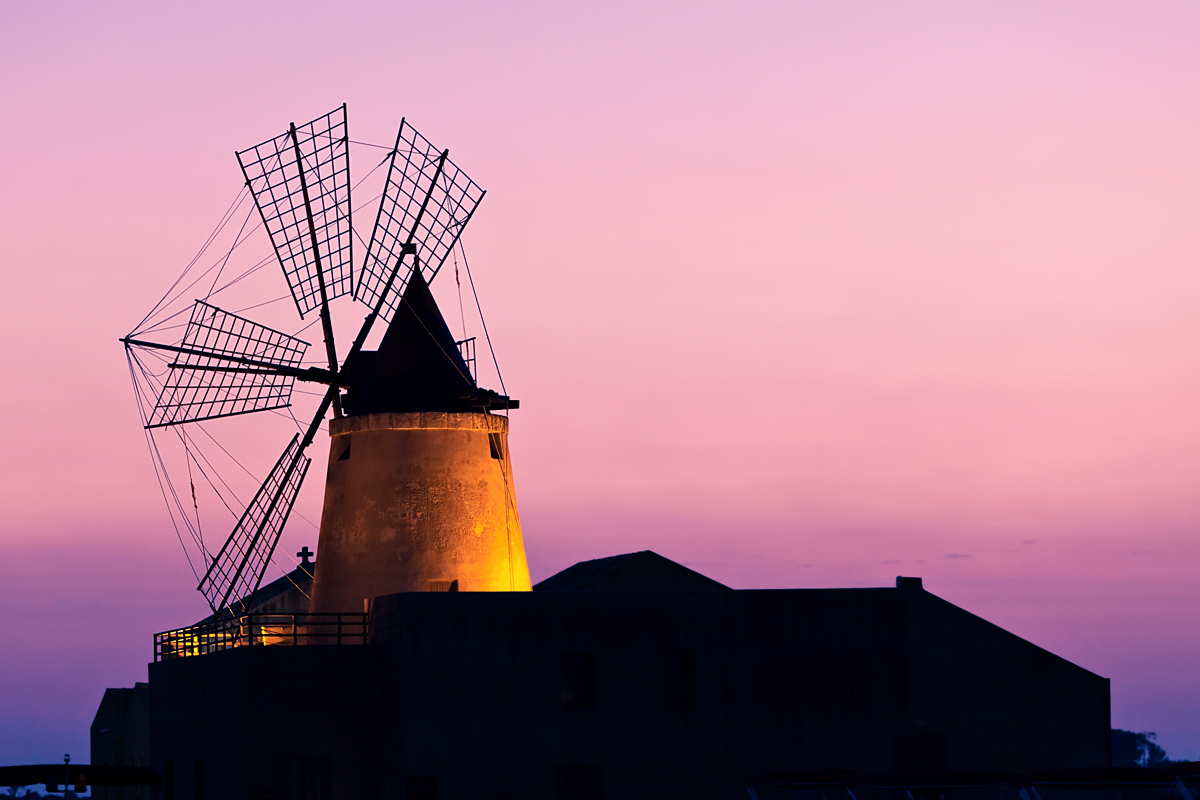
{"x": 415, "y": 502}
{"x": 120, "y": 737}
{"x": 227, "y": 724}
{"x": 965, "y": 672}
{"x": 857, "y": 679}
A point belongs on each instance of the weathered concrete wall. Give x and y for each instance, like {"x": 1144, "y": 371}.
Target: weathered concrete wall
{"x": 413, "y": 499}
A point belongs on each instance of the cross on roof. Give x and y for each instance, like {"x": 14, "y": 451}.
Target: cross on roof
{"x": 305, "y": 554}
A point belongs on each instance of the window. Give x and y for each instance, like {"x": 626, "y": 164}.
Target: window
{"x": 301, "y": 777}
{"x": 443, "y": 585}
{"x": 578, "y": 679}
{"x": 497, "y": 446}
{"x": 198, "y": 779}
{"x": 919, "y": 750}
{"x": 420, "y": 788}
{"x": 679, "y": 679}
{"x": 579, "y": 782}
{"x": 345, "y": 456}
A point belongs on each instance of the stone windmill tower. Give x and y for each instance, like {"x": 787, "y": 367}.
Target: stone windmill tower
{"x": 419, "y": 492}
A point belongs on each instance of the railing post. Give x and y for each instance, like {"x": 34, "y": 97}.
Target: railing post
{"x": 339, "y": 628}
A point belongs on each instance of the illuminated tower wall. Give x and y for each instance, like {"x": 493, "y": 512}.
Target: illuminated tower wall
{"x": 415, "y": 501}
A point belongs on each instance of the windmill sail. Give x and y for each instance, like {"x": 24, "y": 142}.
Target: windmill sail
{"x": 427, "y": 201}
{"x": 225, "y": 365}
{"x": 237, "y": 570}
{"x": 307, "y": 169}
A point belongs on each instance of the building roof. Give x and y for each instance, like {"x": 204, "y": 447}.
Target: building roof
{"x": 643, "y": 571}
{"x": 285, "y": 595}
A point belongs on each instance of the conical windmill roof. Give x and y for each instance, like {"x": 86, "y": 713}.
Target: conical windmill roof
{"x": 418, "y": 366}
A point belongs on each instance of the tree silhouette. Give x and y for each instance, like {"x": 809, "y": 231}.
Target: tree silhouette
{"x": 1131, "y": 749}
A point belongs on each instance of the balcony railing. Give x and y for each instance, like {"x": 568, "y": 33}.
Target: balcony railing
{"x": 255, "y": 630}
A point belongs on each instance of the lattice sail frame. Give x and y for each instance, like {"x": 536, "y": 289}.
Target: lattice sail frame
{"x": 410, "y": 178}
{"x": 238, "y": 568}
{"x": 274, "y": 176}
{"x": 224, "y": 370}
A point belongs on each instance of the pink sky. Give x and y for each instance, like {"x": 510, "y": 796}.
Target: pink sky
{"x": 797, "y": 295}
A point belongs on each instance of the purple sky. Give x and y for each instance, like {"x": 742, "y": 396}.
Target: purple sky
{"x": 799, "y": 296}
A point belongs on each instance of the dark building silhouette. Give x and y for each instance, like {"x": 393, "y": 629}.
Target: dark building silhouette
{"x": 625, "y": 677}
{"x": 120, "y": 737}
{"x": 415, "y": 659}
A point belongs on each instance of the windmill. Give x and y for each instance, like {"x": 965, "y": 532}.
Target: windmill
{"x": 227, "y": 365}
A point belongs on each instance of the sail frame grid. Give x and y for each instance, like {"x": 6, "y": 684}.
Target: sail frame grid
{"x": 427, "y": 201}
{"x": 225, "y": 366}
{"x": 284, "y": 194}
{"x": 238, "y": 568}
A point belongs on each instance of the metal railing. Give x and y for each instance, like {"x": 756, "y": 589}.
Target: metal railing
{"x": 254, "y": 630}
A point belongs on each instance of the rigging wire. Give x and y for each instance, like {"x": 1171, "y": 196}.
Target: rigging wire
{"x": 371, "y": 144}
{"x": 162, "y": 324}
{"x": 279, "y": 299}
{"x": 231, "y": 458}
{"x": 246, "y": 274}
{"x": 236, "y": 240}
{"x": 311, "y": 322}
{"x": 187, "y": 458}
{"x": 170, "y": 494}
{"x": 366, "y": 203}
{"x": 288, "y": 575}
{"x": 299, "y": 427}
{"x": 482, "y": 321}
{"x": 214, "y": 265}
{"x": 248, "y": 472}
{"x": 449, "y": 358}
{"x": 176, "y": 295}
{"x": 183, "y": 435}
{"x": 237, "y": 201}
{"x": 461, "y": 315}
{"x": 157, "y": 474}
{"x": 171, "y": 489}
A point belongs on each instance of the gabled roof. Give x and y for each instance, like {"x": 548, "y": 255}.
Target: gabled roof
{"x": 644, "y": 571}
{"x": 113, "y": 707}
{"x": 285, "y": 595}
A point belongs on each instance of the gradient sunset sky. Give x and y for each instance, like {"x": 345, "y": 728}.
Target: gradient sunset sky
{"x": 797, "y": 294}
